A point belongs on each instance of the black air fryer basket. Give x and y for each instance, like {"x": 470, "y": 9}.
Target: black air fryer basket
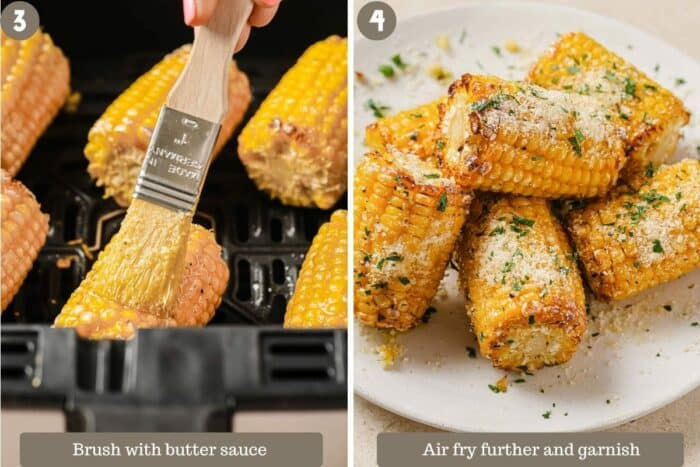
{"x": 168, "y": 379}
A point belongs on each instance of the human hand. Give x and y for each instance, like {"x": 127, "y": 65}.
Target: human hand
{"x": 198, "y": 12}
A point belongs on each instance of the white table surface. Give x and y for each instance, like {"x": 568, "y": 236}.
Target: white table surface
{"x": 676, "y": 22}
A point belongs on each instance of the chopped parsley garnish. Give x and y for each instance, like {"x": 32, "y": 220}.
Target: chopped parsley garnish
{"x": 654, "y": 198}
{"x": 439, "y": 144}
{"x": 442, "y": 202}
{"x": 680, "y": 81}
{"x": 650, "y": 87}
{"x": 496, "y": 50}
{"x": 400, "y": 64}
{"x": 657, "y": 248}
{"x": 494, "y": 389}
{"x": 492, "y": 102}
{"x": 377, "y": 109}
{"x": 537, "y": 158}
{"x": 471, "y": 352}
{"x": 413, "y": 136}
{"x": 547, "y": 414}
{"x": 649, "y": 170}
{"x": 523, "y": 221}
{"x": 576, "y": 141}
{"x": 404, "y": 280}
{"x": 518, "y": 285}
{"x": 630, "y": 87}
{"x": 387, "y": 71}
{"x": 573, "y": 69}
{"x": 497, "y": 231}
{"x": 519, "y": 380}
{"x": 508, "y": 266}
{"x": 417, "y": 115}
{"x": 431, "y": 175}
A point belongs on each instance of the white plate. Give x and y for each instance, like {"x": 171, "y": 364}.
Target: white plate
{"x": 649, "y": 358}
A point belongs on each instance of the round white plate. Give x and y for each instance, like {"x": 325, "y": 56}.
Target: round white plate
{"x": 644, "y": 355}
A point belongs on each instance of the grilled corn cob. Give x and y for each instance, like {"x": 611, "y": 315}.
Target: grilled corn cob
{"x": 198, "y": 295}
{"x": 35, "y": 83}
{"x": 407, "y": 220}
{"x": 527, "y": 302}
{"x": 637, "y": 239}
{"x": 24, "y": 229}
{"x": 412, "y": 131}
{"x": 118, "y": 141}
{"x": 295, "y": 146}
{"x": 651, "y": 115}
{"x": 522, "y": 139}
{"x": 320, "y": 298}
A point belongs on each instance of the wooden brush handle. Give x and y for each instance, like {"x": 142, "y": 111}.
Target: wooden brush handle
{"x": 202, "y": 88}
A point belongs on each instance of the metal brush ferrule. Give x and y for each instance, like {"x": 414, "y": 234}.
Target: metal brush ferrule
{"x": 177, "y": 160}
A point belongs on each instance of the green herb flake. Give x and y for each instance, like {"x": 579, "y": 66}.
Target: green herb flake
{"x": 520, "y": 380}
{"x": 400, "y": 64}
{"x": 547, "y": 414}
{"x": 440, "y": 144}
{"x": 680, "y": 81}
{"x": 442, "y": 202}
{"x": 678, "y": 196}
{"x": 649, "y": 170}
{"x": 573, "y": 69}
{"x": 404, "y": 280}
{"x": 576, "y": 141}
{"x": 650, "y": 87}
{"x": 497, "y": 231}
{"x": 431, "y": 175}
{"x": 537, "y": 158}
{"x": 387, "y": 71}
{"x": 630, "y": 87}
{"x": 657, "y": 248}
{"x": 413, "y": 136}
{"x": 523, "y": 221}
{"x": 377, "y": 109}
{"x": 494, "y": 389}
{"x": 496, "y": 50}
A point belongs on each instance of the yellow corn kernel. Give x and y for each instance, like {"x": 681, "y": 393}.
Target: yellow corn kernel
{"x": 199, "y": 292}
{"x": 412, "y": 131}
{"x": 35, "y": 83}
{"x": 295, "y": 146}
{"x": 637, "y": 239}
{"x": 320, "y": 297}
{"x": 118, "y": 140}
{"x": 24, "y": 229}
{"x": 519, "y": 138}
{"x": 406, "y": 221}
{"x": 527, "y": 302}
{"x": 651, "y": 115}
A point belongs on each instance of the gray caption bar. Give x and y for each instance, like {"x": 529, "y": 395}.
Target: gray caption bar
{"x": 171, "y": 449}
{"x": 530, "y": 449}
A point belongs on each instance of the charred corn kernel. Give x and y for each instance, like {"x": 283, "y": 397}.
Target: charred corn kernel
{"x": 651, "y": 115}
{"x": 637, "y": 239}
{"x": 522, "y": 139}
{"x": 295, "y": 146}
{"x": 35, "y": 83}
{"x": 24, "y": 229}
{"x": 407, "y": 220}
{"x": 320, "y": 297}
{"x": 412, "y": 130}
{"x": 118, "y": 140}
{"x": 198, "y": 295}
{"x": 527, "y": 302}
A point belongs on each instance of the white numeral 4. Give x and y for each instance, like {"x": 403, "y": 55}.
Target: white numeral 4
{"x": 378, "y": 19}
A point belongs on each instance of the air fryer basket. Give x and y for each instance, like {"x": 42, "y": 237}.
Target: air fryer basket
{"x": 169, "y": 379}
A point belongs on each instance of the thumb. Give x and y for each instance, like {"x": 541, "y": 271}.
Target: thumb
{"x": 198, "y": 12}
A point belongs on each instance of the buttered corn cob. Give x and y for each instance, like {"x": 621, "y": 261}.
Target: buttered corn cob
{"x": 637, "y": 239}
{"x": 24, "y": 229}
{"x": 35, "y": 83}
{"x": 198, "y": 295}
{"x": 527, "y": 302}
{"x": 320, "y": 297}
{"x": 410, "y": 131}
{"x": 520, "y": 138}
{"x": 651, "y": 115}
{"x": 295, "y": 146}
{"x": 118, "y": 140}
{"x": 407, "y": 220}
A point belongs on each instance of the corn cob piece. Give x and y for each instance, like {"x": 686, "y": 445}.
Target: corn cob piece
{"x": 35, "y": 83}
{"x": 320, "y": 298}
{"x": 407, "y": 220}
{"x": 651, "y": 115}
{"x": 637, "y": 239}
{"x": 295, "y": 146}
{"x": 520, "y": 138}
{"x": 198, "y": 295}
{"x": 118, "y": 140}
{"x": 24, "y": 230}
{"x": 527, "y": 302}
{"x": 410, "y": 131}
